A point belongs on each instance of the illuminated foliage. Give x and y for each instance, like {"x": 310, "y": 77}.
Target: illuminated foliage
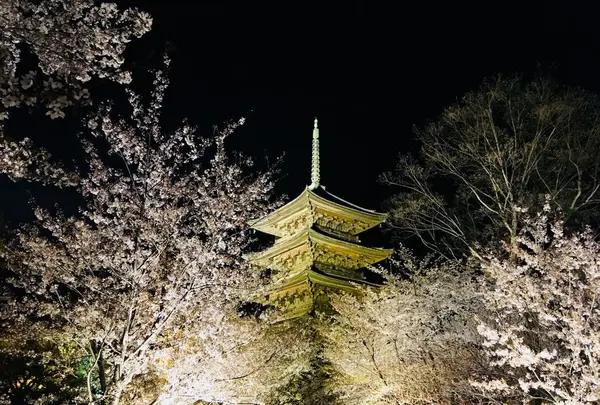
{"x": 235, "y": 360}
{"x": 41, "y": 372}
{"x": 311, "y": 387}
{"x": 411, "y": 342}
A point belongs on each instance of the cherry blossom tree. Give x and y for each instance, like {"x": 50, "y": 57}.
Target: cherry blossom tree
{"x": 412, "y": 341}
{"x": 543, "y": 340}
{"x": 156, "y": 247}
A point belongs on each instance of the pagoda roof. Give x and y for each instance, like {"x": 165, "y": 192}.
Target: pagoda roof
{"x": 292, "y": 285}
{"x": 295, "y": 295}
{"x": 316, "y": 207}
{"x": 309, "y": 246}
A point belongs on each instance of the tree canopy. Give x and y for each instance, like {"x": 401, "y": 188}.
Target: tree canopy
{"x": 503, "y": 146}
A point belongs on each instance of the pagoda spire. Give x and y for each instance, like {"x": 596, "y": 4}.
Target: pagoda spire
{"x": 315, "y": 175}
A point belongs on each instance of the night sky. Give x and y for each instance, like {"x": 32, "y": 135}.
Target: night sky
{"x": 368, "y": 70}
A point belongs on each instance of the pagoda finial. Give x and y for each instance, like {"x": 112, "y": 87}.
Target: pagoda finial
{"x": 315, "y": 176}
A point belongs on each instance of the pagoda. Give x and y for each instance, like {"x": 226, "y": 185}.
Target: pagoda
{"x": 317, "y": 248}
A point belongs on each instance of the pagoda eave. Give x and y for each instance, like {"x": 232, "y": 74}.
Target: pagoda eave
{"x": 295, "y": 296}
{"x": 311, "y": 247}
{"x": 309, "y": 208}
{"x": 311, "y": 277}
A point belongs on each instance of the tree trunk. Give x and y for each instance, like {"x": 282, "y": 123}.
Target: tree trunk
{"x": 119, "y": 387}
{"x": 101, "y": 366}
{"x": 117, "y": 394}
{"x": 513, "y": 239}
{"x": 102, "y": 373}
{"x": 512, "y": 257}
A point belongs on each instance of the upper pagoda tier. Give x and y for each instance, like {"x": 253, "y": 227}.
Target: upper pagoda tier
{"x": 312, "y": 248}
{"x": 311, "y": 209}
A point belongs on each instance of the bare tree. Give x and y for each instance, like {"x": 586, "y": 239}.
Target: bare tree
{"x": 503, "y": 146}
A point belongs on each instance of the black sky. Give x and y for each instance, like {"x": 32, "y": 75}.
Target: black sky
{"x": 369, "y": 70}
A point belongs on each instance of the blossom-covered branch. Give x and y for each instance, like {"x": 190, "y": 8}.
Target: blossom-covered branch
{"x": 73, "y": 41}
{"x": 544, "y": 338}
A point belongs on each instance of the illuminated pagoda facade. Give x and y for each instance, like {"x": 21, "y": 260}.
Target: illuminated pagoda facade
{"x": 317, "y": 248}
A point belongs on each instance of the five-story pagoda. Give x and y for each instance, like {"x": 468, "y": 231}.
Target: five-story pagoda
{"x": 316, "y": 247}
